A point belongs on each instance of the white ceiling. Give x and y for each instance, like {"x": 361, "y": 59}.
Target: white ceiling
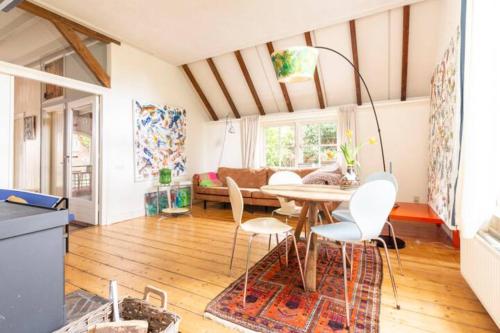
{"x": 379, "y": 39}
{"x": 184, "y": 31}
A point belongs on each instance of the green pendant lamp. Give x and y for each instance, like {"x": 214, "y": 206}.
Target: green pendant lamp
{"x": 296, "y": 64}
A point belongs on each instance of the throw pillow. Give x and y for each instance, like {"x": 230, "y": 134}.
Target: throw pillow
{"x": 209, "y": 179}
{"x": 322, "y": 178}
{"x": 15, "y": 199}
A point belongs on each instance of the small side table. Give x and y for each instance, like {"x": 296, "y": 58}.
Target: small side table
{"x": 179, "y": 198}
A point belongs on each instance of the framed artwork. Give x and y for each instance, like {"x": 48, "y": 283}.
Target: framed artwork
{"x": 159, "y": 140}
{"x": 29, "y": 128}
{"x": 445, "y": 120}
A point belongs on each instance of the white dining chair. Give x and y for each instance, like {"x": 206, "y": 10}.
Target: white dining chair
{"x": 343, "y": 214}
{"x": 257, "y": 226}
{"x": 369, "y": 207}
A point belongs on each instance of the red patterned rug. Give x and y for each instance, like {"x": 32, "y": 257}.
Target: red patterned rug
{"x": 276, "y": 301}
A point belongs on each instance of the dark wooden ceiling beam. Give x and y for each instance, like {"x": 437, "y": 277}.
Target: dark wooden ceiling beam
{"x": 223, "y": 87}
{"x": 355, "y": 60}
{"x": 94, "y": 66}
{"x": 270, "y": 49}
{"x": 406, "y": 38}
{"x": 316, "y": 74}
{"x": 250, "y": 84}
{"x": 51, "y": 16}
{"x": 200, "y": 92}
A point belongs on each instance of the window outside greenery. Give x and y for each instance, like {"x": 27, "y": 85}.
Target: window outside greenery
{"x": 316, "y": 144}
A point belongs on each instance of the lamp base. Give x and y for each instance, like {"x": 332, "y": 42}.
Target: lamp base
{"x": 390, "y": 242}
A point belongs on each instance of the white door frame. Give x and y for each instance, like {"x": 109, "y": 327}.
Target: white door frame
{"x": 94, "y": 203}
{"x": 102, "y": 92}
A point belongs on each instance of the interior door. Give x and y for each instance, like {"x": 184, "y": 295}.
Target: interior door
{"x": 82, "y": 159}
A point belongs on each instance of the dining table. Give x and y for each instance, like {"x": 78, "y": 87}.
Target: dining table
{"x": 314, "y": 198}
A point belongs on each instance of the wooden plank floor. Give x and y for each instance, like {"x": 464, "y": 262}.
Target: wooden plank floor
{"x": 189, "y": 256}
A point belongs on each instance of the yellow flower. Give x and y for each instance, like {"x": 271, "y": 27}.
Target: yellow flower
{"x": 372, "y": 140}
{"x": 348, "y": 133}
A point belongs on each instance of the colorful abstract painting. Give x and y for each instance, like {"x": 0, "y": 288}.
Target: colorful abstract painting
{"x": 444, "y": 140}
{"x": 159, "y": 140}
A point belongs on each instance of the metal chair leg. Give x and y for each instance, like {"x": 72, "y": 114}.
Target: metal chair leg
{"x": 394, "y": 288}
{"x": 346, "y": 291}
{"x": 298, "y": 261}
{"x": 395, "y": 245}
{"x": 234, "y": 247}
{"x": 352, "y": 260}
{"x": 278, "y": 247}
{"x": 269, "y": 244}
{"x": 246, "y": 273}
{"x": 307, "y": 253}
{"x": 286, "y": 249}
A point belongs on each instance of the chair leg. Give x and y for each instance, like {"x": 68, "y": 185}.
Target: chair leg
{"x": 298, "y": 261}
{"x": 352, "y": 260}
{"x": 346, "y": 291}
{"x": 234, "y": 247}
{"x": 307, "y": 253}
{"x": 269, "y": 244}
{"x": 286, "y": 249}
{"x": 278, "y": 247}
{"x": 395, "y": 245}
{"x": 246, "y": 273}
{"x": 394, "y": 288}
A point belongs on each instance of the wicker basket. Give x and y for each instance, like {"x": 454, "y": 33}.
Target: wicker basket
{"x": 159, "y": 319}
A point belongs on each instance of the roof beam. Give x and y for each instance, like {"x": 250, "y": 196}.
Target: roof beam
{"x": 51, "y": 16}
{"x": 200, "y": 92}
{"x": 355, "y": 60}
{"x": 84, "y": 53}
{"x": 316, "y": 74}
{"x": 406, "y": 38}
{"x": 223, "y": 87}
{"x": 288, "y": 102}
{"x": 250, "y": 84}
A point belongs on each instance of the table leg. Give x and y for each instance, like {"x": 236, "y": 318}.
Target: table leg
{"x": 327, "y": 213}
{"x": 310, "y": 273}
{"x": 302, "y": 220}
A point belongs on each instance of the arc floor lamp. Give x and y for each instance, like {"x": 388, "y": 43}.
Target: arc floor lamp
{"x": 298, "y": 63}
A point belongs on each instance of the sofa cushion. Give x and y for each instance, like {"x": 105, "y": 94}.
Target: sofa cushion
{"x": 221, "y": 190}
{"x": 322, "y": 178}
{"x": 209, "y": 179}
{"x": 244, "y": 177}
{"x": 262, "y": 195}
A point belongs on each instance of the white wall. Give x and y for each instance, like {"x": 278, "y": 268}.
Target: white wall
{"x": 405, "y": 133}
{"x": 138, "y": 75}
{"x": 449, "y": 14}
{"x": 6, "y": 130}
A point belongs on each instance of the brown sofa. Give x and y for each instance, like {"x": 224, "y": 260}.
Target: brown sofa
{"x": 249, "y": 181}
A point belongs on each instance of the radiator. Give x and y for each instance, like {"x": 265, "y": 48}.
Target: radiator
{"x": 480, "y": 266}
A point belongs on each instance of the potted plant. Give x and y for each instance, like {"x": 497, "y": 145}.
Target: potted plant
{"x": 350, "y": 153}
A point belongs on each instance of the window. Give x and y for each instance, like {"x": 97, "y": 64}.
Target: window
{"x": 300, "y": 144}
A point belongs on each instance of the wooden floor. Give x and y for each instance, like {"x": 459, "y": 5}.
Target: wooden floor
{"x": 189, "y": 256}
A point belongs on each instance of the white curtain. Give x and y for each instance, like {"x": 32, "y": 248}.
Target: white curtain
{"x": 346, "y": 121}
{"x": 249, "y": 140}
{"x": 479, "y": 176}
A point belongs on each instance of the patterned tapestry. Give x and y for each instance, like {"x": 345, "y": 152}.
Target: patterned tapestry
{"x": 444, "y": 140}
{"x": 159, "y": 140}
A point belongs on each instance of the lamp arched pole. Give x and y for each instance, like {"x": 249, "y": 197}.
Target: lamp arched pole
{"x": 369, "y": 96}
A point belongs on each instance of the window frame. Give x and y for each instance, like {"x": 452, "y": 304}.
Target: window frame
{"x": 298, "y": 126}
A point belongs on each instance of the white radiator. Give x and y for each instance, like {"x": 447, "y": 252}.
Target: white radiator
{"x": 480, "y": 266}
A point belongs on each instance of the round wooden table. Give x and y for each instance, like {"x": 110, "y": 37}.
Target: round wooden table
{"x": 314, "y": 198}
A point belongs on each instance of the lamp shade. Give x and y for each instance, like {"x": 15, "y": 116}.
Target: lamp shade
{"x": 295, "y": 64}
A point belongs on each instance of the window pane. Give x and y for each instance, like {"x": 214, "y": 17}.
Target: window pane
{"x": 328, "y": 154}
{"x": 310, "y": 155}
{"x": 311, "y": 134}
{"x": 272, "y": 146}
{"x": 287, "y": 136}
{"x": 328, "y": 134}
{"x": 287, "y": 157}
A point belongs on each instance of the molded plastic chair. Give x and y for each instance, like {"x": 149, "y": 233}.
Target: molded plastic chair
{"x": 288, "y": 207}
{"x": 262, "y": 225}
{"x": 369, "y": 207}
{"x": 345, "y": 215}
